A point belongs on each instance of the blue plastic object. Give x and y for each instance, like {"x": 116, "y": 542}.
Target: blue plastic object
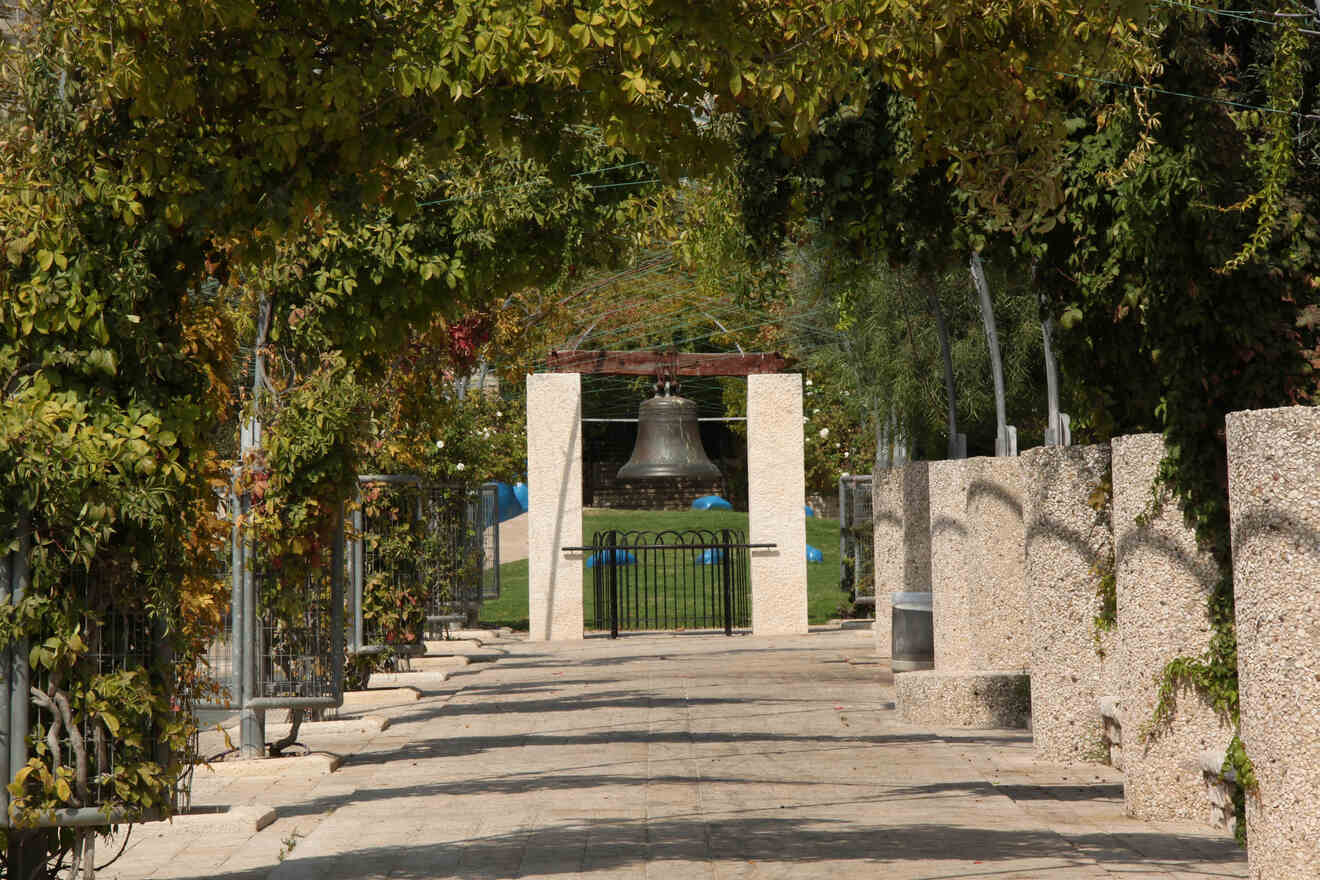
{"x": 506, "y": 502}
{"x": 809, "y": 511}
{"x": 621, "y": 557}
{"x": 814, "y": 555}
{"x": 711, "y": 556}
{"x": 711, "y": 502}
{"x": 520, "y": 492}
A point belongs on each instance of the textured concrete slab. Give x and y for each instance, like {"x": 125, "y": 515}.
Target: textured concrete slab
{"x": 985, "y": 699}
{"x": 1274, "y": 501}
{"x": 686, "y": 756}
{"x": 948, "y": 563}
{"x": 1163, "y": 581}
{"x": 1069, "y": 545}
{"x": 900, "y": 504}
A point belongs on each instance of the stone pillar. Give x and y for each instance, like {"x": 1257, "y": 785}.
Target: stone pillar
{"x": 776, "y": 498}
{"x": 554, "y": 487}
{"x": 948, "y": 565}
{"x": 979, "y": 598}
{"x": 996, "y": 579}
{"x": 1068, "y": 543}
{"x": 900, "y": 505}
{"x": 1274, "y": 502}
{"x": 1164, "y": 582}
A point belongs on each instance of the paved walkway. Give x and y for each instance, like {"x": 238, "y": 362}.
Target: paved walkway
{"x": 686, "y": 757}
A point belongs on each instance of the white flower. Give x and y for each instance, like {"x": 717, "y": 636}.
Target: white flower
{"x": 845, "y": 455}
{"x": 460, "y": 466}
{"x": 804, "y": 420}
{"x": 499, "y": 414}
{"x": 824, "y": 432}
{"x": 815, "y": 412}
{"x": 439, "y": 444}
{"x": 808, "y": 383}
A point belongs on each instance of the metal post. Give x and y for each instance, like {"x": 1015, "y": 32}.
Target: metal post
{"x": 726, "y": 571}
{"x": 6, "y": 586}
{"x": 611, "y": 545}
{"x": 1057, "y": 431}
{"x": 957, "y": 446}
{"x": 236, "y": 617}
{"x": 252, "y": 721}
{"x": 337, "y": 607}
{"x": 843, "y": 533}
{"x": 27, "y": 849}
{"x": 1006, "y": 434}
{"x": 19, "y": 675}
{"x": 359, "y": 577}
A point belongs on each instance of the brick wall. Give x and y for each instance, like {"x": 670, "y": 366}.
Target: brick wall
{"x": 601, "y": 488}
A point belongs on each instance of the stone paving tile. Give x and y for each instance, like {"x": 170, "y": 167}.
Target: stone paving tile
{"x": 687, "y": 757}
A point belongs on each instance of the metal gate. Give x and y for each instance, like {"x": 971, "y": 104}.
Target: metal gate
{"x": 670, "y": 580}
{"x": 423, "y": 552}
{"x": 856, "y": 539}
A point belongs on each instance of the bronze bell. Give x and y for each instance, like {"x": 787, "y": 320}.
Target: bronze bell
{"x": 668, "y": 442}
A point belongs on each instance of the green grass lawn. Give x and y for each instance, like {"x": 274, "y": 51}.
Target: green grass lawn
{"x": 823, "y": 594}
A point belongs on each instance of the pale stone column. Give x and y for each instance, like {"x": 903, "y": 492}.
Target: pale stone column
{"x": 996, "y": 579}
{"x": 776, "y": 500}
{"x": 554, "y": 489}
{"x": 1274, "y": 503}
{"x": 900, "y": 505}
{"x": 1164, "y": 582}
{"x": 979, "y": 601}
{"x": 1068, "y": 543}
{"x": 948, "y": 567}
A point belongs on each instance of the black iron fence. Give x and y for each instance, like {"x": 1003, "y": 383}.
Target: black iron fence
{"x": 670, "y": 580}
{"x": 856, "y": 539}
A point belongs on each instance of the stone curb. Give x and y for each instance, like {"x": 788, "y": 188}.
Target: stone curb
{"x": 354, "y": 700}
{"x": 228, "y": 817}
{"x": 314, "y": 764}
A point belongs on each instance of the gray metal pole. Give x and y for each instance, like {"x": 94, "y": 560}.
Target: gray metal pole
{"x": 20, "y": 676}
{"x": 337, "y": 607}
{"x": 359, "y": 577}
{"x": 843, "y": 531}
{"x": 1056, "y": 430}
{"x": 236, "y": 617}
{"x": 1006, "y": 436}
{"x": 6, "y": 586}
{"x": 252, "y": 721}
{"x": 957, "y": 447}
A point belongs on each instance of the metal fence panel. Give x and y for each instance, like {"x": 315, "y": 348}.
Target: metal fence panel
{"x": 856, "y": 538}
{"x": 669, "y": 580}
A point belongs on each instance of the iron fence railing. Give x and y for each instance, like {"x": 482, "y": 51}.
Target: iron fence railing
{"x": 856, "y": 539}
{"x": 669, "y": 580}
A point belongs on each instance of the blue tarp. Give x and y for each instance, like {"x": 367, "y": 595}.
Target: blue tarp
{"x": 814, "y": 555}
{"x": 621, "y": 557}
{"x": 711, "y": 502}
{"x": 809, "y": 511}
{"x": 710, "y": 556}
{"x": 506, "y": 502}
{"x": 520, "y": 492}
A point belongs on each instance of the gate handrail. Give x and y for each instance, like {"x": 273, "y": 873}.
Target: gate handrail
{"x": 769, "y": 546}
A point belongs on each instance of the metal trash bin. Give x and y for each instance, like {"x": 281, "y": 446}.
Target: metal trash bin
{"x": 913, "y": 632}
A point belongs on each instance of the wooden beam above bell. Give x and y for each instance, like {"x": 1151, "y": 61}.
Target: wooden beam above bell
{"x": 654, "y": 363}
